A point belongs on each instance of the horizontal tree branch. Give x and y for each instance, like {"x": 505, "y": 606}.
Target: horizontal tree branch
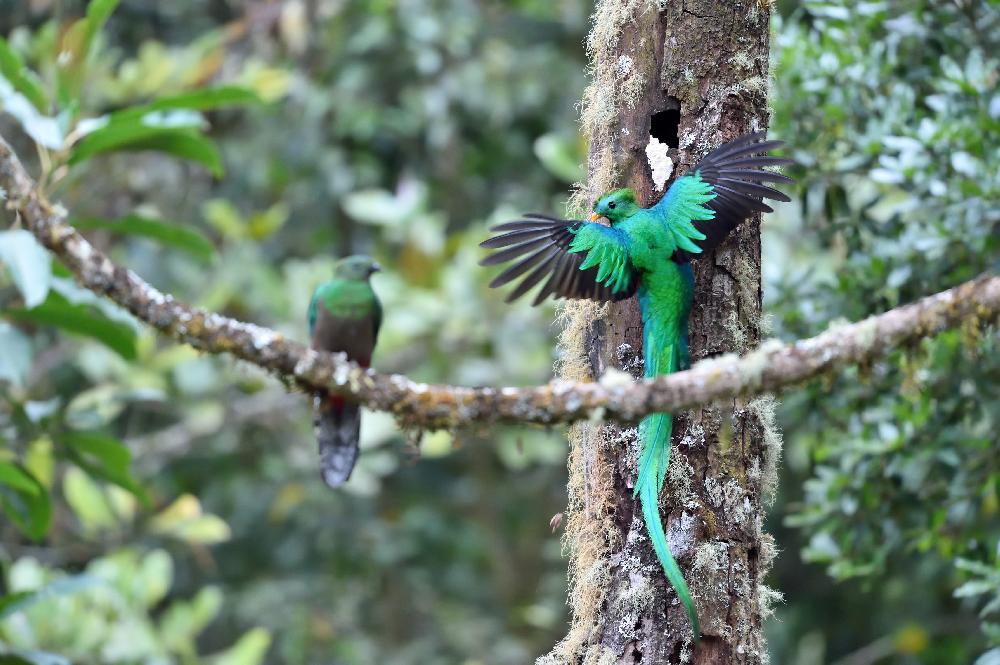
{"x": 770, "y": 368}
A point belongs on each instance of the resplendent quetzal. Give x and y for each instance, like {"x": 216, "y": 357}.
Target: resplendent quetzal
{"x": 344, "y": 315}
{"x": 645, "y": 251}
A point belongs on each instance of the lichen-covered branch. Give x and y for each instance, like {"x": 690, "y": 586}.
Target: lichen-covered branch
{"x": 769, "y": 369}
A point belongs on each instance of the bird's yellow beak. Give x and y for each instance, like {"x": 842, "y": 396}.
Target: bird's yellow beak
{"x": 594, "y": 217}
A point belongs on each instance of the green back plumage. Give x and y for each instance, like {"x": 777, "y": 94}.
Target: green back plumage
{"x": 349, "y": 295}
{"x": 346, "y": 299}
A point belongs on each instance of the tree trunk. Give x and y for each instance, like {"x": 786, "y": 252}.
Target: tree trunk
{"x": 694, "y": 72}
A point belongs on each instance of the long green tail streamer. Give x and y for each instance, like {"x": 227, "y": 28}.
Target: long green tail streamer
{"x": 655, "y": 430}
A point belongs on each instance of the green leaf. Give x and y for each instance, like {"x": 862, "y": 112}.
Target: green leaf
{"x": 25, "y": 500}
{"x": 30, "y": 266}
{"x": 153, "y": 578}
{"x": 134, "y": 136}
{"x": 205, "y": 530}
{"x": 75, "y": 46}
{"x": 20, "y": 77}
{"x": 69, "y": 65}
{"x": 186, "y": 145}
{"x": 174, "y": 235}
{"x": 100, "y": 450}
{"x": 15, "y": 355}
{"x": 264, "y": 223}
{"x": 37, "y": 457}
{"x": 32, "y": 658}
{"x": 90, "y": 504}
{"x": 12, "y": 476}
{"x": 13, "y": 602}
{"x": 98, "y": 12}
{"x": 184, "y": 519}
{"x": 94, "y": 407}
{"x": 223, "y": 216}
{"x": 559, "y": 156}
{"x": 64, "y": 586}
{"x": 250, "y": 649}
{"x": 975, "y": 588}
{"x": 183, "y": 621}
{"x": 105, "y": 458}
{"x": 80, "y": 320}
{"x": 205, "y": 99}
{"x": 977, "y": 567}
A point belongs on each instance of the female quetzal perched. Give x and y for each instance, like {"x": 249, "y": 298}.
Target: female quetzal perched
{"x": 645, "y": 251}
{"x": 344, "y": 315}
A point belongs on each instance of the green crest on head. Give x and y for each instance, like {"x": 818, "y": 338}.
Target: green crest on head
{"x": 622, "y": 195}
{"x": 616, "y": 205}
{"x": 355, "y": 267}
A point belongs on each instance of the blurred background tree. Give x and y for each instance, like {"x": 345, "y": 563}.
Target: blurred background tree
{"x": 164, "y": 506}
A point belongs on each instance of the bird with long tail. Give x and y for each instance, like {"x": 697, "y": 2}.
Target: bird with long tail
{"x": 344, "y": 315}
{"x": 645, "y": 252}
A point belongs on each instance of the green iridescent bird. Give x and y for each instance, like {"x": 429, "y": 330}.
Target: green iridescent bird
{"x": 645, "y": 252}
{"x": 344, "y": 315}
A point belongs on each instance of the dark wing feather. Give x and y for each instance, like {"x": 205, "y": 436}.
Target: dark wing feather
{"x": 539, "y": 246}
{"x": 735, "y": 171}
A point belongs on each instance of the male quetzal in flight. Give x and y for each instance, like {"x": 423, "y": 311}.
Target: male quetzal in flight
{"x": 647, "y": 252}
{"x": 344, "y": 315}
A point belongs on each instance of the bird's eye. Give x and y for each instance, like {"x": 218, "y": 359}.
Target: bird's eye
{"x": 611, "y": 205}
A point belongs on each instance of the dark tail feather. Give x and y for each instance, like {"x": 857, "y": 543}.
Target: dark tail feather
{"x": 338, "y": 428}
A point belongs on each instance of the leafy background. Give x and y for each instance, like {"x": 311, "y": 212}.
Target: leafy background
{"x": 161, "y": 506}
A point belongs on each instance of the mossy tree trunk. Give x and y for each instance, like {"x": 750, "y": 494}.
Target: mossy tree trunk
{"x": 700, "y": 68}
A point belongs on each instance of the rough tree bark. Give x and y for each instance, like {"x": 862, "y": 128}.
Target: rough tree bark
{"x": 707, "y": 60}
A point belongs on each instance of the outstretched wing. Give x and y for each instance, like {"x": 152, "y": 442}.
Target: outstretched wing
{"x": 725, "y": 188}
{"x": 579, "y": 259}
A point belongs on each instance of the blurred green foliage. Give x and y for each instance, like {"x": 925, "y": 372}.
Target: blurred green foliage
{"x": 894, "y": 112}
{"x": 104, "y": 614}
{"x": 166, "y": 505}
{"x": 378, "y": 132}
